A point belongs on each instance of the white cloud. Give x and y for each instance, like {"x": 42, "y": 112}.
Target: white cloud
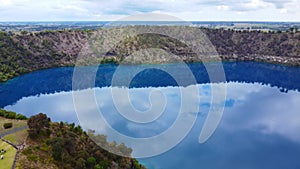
{"x": 279, "y": 3}
{"x": 253, "y": 10}
{"x": 283, "y": 11}
{"x": 223, "y": 7}
{"x": 269, "y": 117}
{"x": 5, "y": 2}
{"x": 256, "y": 4}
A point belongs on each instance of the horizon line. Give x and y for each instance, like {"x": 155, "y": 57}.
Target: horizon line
{"x": 152, "y": 21}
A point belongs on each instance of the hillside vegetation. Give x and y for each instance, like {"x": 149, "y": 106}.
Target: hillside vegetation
{"x": 66, "y": 146}
{"x": 47, "y": 144}
{"x": 21, "y": 53}
{"x": 29, "y": 51}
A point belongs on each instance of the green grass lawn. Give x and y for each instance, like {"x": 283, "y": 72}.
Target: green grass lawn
{"x": 16, "y": 124}
{"x": 17, "y": 138}
{"x": 9, "y": 156}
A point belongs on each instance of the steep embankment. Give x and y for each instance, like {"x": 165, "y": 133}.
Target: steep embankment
{"x": 61, "y": 145}
{"x": 21, "y": 53}
{"x": 274, "y": 47}
{"x": 66, "y": 146}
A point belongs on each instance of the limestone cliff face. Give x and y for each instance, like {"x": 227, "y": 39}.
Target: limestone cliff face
{"x": 21, "y": 53}
{"x": 274, "y": 47}
{"x": 62, "y": 46}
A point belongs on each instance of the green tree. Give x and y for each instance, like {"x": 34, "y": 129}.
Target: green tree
{"x": 38, "y": 125}
{"x": 105, "y": 163}
{"x": 80, "y": 164}
{"x": 91, "y": 161}
{"x": 23, "y": 32}
{"x": 57, "y": 145}
{"x": 98, "y": 166}
{"x": 78, "y": 129}
{"x": 21, "y": 117}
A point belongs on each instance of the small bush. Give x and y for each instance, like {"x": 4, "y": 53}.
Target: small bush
{"x": 23, "y": 32}
{"x": 7, "y": 125}
{"x": 32, "y": 157}
{"x": 27, "y": 151}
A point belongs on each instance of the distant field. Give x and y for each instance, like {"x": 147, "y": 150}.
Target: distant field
{"x": 9, "y": 156}
{"x": 16, "y": 124}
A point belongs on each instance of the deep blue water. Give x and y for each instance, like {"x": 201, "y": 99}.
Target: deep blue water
{"x": 259, "y": 128}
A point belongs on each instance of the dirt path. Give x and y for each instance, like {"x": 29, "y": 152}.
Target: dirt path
{"x": 13, "y": 131}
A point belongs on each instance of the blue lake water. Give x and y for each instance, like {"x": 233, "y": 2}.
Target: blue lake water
{"x": 259, "y": 128}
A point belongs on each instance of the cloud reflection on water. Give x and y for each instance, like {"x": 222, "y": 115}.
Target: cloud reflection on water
{"x": 248, "y": 107}
{"x": 260, "y": 124}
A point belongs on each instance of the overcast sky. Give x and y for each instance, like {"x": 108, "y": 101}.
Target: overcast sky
{"x": 191, "y": 10}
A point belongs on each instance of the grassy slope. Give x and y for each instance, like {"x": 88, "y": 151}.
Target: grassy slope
{"x": 9, "y": 156}
{"x": 16, "y": 124}
{"x": 17, "y": 138}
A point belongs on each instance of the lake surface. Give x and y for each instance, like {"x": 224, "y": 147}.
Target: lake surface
{"x": 259, "y": 128}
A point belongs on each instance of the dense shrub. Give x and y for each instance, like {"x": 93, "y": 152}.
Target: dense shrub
{"x": 7, "y": 125}
{"x": 8, "y": 114}
{"x": 11, "y": 115}
{"x": 39, "y": 126}
{"x": 21, "y": 117}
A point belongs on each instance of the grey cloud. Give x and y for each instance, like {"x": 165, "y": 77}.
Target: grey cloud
{"x": 278, "y": 3}
{"x": 232, "y": 5}
{"x": 222, "y": 2}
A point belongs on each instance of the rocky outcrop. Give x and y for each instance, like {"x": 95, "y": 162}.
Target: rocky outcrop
{"x": 30, "y": 51}
{"x": 272, "y": 47}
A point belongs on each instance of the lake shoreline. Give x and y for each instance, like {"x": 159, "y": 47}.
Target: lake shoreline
{"x": 31, "y": 51}
{"x": 286, "y": 61}
{"x": 276, "y": 60}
